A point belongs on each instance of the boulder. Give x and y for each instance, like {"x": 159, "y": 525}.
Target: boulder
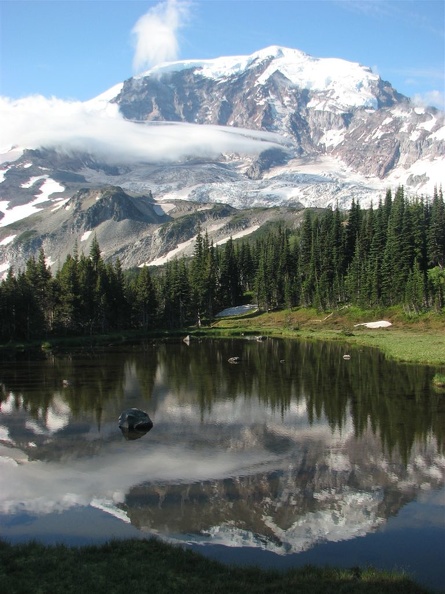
{"x": 134, "y": 419}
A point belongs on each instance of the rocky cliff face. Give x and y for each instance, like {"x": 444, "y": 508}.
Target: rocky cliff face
{"x": 373, "y": 136}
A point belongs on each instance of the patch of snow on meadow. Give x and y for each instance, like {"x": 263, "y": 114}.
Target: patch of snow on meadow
{"x": 236, "y": 311}
{"x": 379, "y": 324}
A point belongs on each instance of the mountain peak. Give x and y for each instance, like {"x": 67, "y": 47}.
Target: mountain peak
{"x": 347, "y": 84}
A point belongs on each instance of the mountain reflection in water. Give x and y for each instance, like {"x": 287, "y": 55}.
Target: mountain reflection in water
{"x": 293, "y": 447}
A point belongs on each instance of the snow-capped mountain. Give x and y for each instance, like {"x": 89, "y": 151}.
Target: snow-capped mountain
{"x": 323, "y": 107}
{"x": 275, "y": 128}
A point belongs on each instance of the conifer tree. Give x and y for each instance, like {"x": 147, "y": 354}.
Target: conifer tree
{"x": 145, "y": 300}
{"x": 229, "y": 286}
{"x": 67, "y": 311}
{"x": 38, "y": 276}
{"x": 436, "y": 234}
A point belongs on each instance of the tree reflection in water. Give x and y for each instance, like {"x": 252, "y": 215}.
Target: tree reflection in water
{"x": 293, "y": 446}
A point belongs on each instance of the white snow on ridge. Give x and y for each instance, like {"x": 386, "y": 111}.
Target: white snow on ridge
{"x": 85, "y": 235}
{"x": 8, "y": 240}
{"x": 60, "y": 203}
{"x": 429, "y": 124}
{"x": 332, "y": 138}
{"x": 439, "y": 134}
{"x": 347, "y": 83}
{"x": 17, "y": 213}
{"x": 162, "y": 208}
{"x": 213, "y": 68}
{"x": 32, "y": 181}
{"x": 104, "y": 98}
{"x": 10, "y": 154}
{"x": 3, "y": 173}
{"x": 181, "y": 247}
{"x": 49, "y": 187}
{"x": 242, "y": 233}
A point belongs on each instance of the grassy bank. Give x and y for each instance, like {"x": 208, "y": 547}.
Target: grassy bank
{"x": 158, "y": 568}
{"x": 414, "y": 339}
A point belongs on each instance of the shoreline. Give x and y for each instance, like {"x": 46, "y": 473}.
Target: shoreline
{"x": 416, "y": 339}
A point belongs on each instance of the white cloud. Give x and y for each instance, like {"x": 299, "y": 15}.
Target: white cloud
{"x": 156, "y": 34}
{"x": 430, "y": 98}
{"x": 71, "y": 126}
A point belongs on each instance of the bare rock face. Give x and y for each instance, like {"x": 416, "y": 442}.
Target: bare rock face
{"x": 372, "y": 137}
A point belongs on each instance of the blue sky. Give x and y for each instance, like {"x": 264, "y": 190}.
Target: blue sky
{"x": 73, "y": 49}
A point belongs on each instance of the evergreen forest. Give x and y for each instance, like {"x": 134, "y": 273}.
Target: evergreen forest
{"x": 392, "y": 254}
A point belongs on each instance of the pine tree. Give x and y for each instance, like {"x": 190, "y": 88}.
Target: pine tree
{"x": 352, "y": 230}
{"x": 397, "y": 259}
{"x": 67, "y": 311}
{"x": 229, "y": 285}
{"x": 118, "y": 308}
{"x": 436, "y": 232}
{"x": 375, "y": 257}
{"x": 306, "y": 261}
{"x": 146, "y": 303}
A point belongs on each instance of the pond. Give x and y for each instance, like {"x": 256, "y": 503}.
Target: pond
{"x": 294, "y": 455}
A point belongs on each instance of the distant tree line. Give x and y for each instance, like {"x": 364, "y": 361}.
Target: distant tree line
{"x": 393, "y": 254}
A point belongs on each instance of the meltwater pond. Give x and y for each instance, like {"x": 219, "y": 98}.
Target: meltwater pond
{"x": 295, "y": 455}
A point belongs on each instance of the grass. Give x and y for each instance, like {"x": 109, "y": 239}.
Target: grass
{"x": 414, "y": 339}
{"x": 419, "y": 339}
{"x": 439, "y": 380}
{"x": 155, "y": 567}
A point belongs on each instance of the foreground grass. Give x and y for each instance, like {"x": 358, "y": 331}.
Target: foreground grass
{"x": 158, "y": 568}
{"x": 418, "y": 339}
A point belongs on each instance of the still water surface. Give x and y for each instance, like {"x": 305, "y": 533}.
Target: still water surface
{"x": 293, "y": 456}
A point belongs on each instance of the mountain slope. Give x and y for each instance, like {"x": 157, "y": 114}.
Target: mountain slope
{"x": 324, "y": 106}
{"x": 137, "y": 229}
{"x": 277, "y": 128}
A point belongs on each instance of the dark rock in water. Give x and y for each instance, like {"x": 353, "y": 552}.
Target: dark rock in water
{"x": 132, "y": 434}
{"x": 134, "y": 419}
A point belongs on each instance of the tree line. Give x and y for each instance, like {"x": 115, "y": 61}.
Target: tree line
{"x": 393, "y": 254}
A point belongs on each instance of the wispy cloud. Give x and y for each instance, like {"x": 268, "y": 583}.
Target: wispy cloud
{"x": 372, "y": 8}
{"x": 396, "y": 11}
{"x": 434, "y": 77}
{"x": 430, "y": 98}
{"x": 429, "y": 73}
{"x": 156, "y": 33}
{"x": 35, "y": 122}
